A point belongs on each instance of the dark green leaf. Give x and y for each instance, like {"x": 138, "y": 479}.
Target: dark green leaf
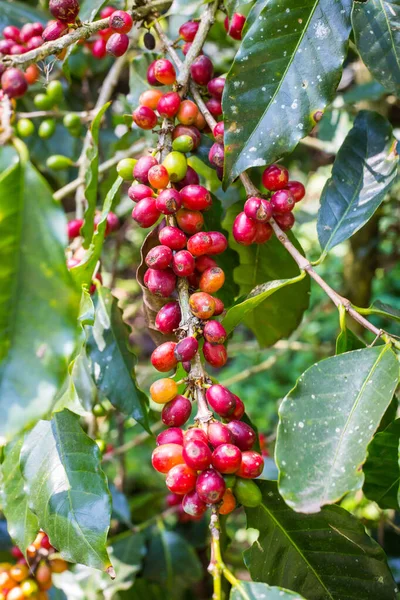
{"x": 347, "y": 341}
{"x": 384, "y": 310}
{"x": 240, "y": 6}
{"x": 377, "y": 36}
{"x": 329, "y": 554}
{"x": 67, "y": 489}
{"x": 90, "y": 8}
{"x": 246, "y": 590}
{"x": 112, "y": 361}
{"x": 38, "y": 300}
{"x": 364, "y": 169}
{"x": 382, "y": 471}
{"x": 286, "y": 70}
{"x": 280, "y": 314}
{"x": 327, "y": 422}
{"x": 18, "y": 13}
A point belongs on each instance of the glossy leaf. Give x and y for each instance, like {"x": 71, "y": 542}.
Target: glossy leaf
{"x": 112, "y": 361}
{"x": 240, "y": 6}
{"x": 38, "y": 300}
{"x": 377, "y": 36}
{"x": 280, "y": 314}
{"x": 382, "y": 470}
{"x": 67, "y": 489}
{"x": 286, "y": 70}
{"x": 329, "y": 554}
{"x": 90, "y": 8}
{"x": 327, "y": 422}
{"x": 347, "y": 341}
{"x": 364, "y": 169}
{"x": 384, "y": 310}
{"x": 246, "y": 590}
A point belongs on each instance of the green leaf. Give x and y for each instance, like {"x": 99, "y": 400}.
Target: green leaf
{"x": 383, "y": 310}
{"x": 112, "y": 361}
{"x": 22, "y": 524}
{"x": 347, "y": 341}
{"x": 240, "y": 6}
{"x": 92, "y": 176}
{"x": 382, "y": 471}
{"x": 18, "y": 13}
{"x": 280, "y": 314}
{"x": 89, "y": 9}
{"x": 38, "y": 300}
{"x": 67, "y": 489}
{"x": 83, "y": 273}
{"x": 286, "y": 70}
{"x": 329, "y": 554}
{"x": 377, "y": 36}
{"x": 364, "y": 169}
{"x": 246, "y": 590}
{"x": 327, "y": 422}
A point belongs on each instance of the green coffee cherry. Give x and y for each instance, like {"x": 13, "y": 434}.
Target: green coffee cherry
{"x": 230, "y": 481}
{"x": 176, "y": 165}
{"x": 25, "y": 127}
{"x": 75, "y": 131}
{"x": 71, "y": 121}
{"x": 43, "y": 102}
{"x": 247, "y": 492}
{"x": 102, "y": 445}
{"x": 55, "y": 91}
{"x": 98, "y": 410}
{"x": 125, "y": 168}
{"x": 183, "y": 143}
{"x": 58, "y": 162}
{"x": 47, "y": 128}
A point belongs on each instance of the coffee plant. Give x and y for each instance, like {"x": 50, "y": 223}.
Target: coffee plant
{"x": 196, "y": 401}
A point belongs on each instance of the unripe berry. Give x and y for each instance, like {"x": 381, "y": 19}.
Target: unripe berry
{"x": 221, "y": 400}
{"x": 197, "y": 455}
{"x": 239, "y": 410}
{"x": 183, "y": 143}
{"x": 74, "y": 228}
{"x": 247, "y": 493}
{"x": 183, "y": 264}
{"x": 187, "y": 112}
{"x": 216, "y": 155}
{"x": 186, "y": 349}
{"x": 176, "y": 165}
{"x": 176, "y": 412}
{"x": 168, "y": 318}
{"x": 11, "y": 32}
{"x": 145, "y": 212}
{"x": 195, "y": 434}
{"x": 168, "y": 105}
{"x": 158, "y": 177}
{"x": 218, "y": 434}
{"x": 139, "y": 191}
{"x": 163, "y": 358}
{"x": 282, "y": 202}
{"x": 169, "y": 200}
{"x": 285, "y": 221}
{"x": 244, "y": 229}
{"x": 181, "y": 479}
{"x": 125, "y": 170}
{"x": 54, "y": 30}
{"x": 264, "y": 233}
{"x": 164, "y": 71}
{"x": 214, "y": 332}
{"x": 64, "y": 10}
{"x": 13, "y": 83}
{"x": 173, "y": 435}
{"x": 190, "y": 221}
{"x": 150, "y": 98}
{"x": 117, "y": 45}
{"x": 193, "y": 505}
{"x": 275, "y": 177}
{"x": 32, "y": 74}
{"x": 228, "y": 504}
{"x": 160, "y": 283}
{"x": 297, "y": 190}
{"x": 188, "y": 30}
{"x": 215, "y": 355}
{"x": 25, "y": 128}
{"x": 163, "y": 390}
{"x": 172, "y": 237}
{"x": 210, "y": 486}
{"x": 216, "y": 87}
{"x": 200, "y": 122}
{"x": 226, "y": 458}
{"x": 194, "y": 133}
{"x": 244, "y": 436}
{"x": 167, "y": 456}
{"x": 204, "y": 262}
{"x": 234, "y": 28}
{"x": 212, "y": 280}
{"x": 202, "y": 70}
{"x": 99, "y": 48}
{"x": 219, "y": 242}
{"x": 142, "y": 168}
{"x": 202, "y": 305}
{"x": 258, "y": 209}
{"x": 195, "y": 197}
{"x": 215, "y": 107}
{"x": 144, "y": 117}
{"x": 251, "y": 466}
{"x": 199, "y": 243}
{"x": 121, "y": 21}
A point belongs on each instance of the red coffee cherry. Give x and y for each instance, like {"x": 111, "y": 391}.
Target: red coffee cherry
{"x": 186, "y": 349}
{"x": 181, "y": 479}
{"x": 168, "y": 105}
{"x": 64, "y": 10}
{"x": 214, "y": 332}
{"x": 226, "y": 459}
{"x": 219, "y": 242}
{"x": 173, "y": 500}
{"x": 139, "y": 191}
{"x": 187, "y": 112}
{"x": 264, "y": 233}
{"x": 199, "y": 243}
{"x": 169, "y": 200}
{"x": 275, "y": 177}
{"x": 282, "y": 202}
{"x": 106, "y": 33}
{"x": 244, "y": 229}
{"x": 218, "y": 132}
{"x": 244, "y": 436}
{"x": 285, "y": 221}
{"x": 239, "y": 410}
{"x": 54, "y": 30}
{"x": 106, "y": 12}
{"x": 210, "y": 486}
{"x": 172, "y": 237}
{"x": 158, "y": 176}
{"x": 228, "y": 504}
{"x": 12, "y": 33}
{"x": 251, "y": 466}
{"x": 160, "y": 283}
{"x": 190, "y": 221}
{"x": 218, "y": 434}
{"x": 163, "y": 357}
{"x": 219, "y": 307}
{"x": 215, "y": 107}
{"x": 216, "y": 87}
{"x": 144, "y": 117}
{"x": 202, "y": 70}
{"x": 32, "y": 74}
{"x": 258, "y": 209}
{"x": 142, "y": 168}
{"x": 193, "y": 505}
{"x": 117, "y": 45}
{"x": 168, "y": 318}
{"x": 145, "y": 212}
{"x": 27, "y": 32}
{"x": 197, "y": 455}
{"x": 212, "y": 280}
{"x": 18, "y": 49}
{"x": 221, "y": 400}
{"x": 99, "y": 48}
{"x": 195, "y": 197}
{"x": 5, "y": 46}
{"x": 193, "y": 281}
{"x": 216, "y": 155}
{"x": 202, "y": 305}
{"x": 173, "y": 435}
{"x": 150, "y": 98}
{"x": 234, "y": 28}
{"x": 194, "y": 133}
{"x": 121, "y": 21}
{"x": 183, "y": 263}
{"x": 34, "y": 43}
{"x": 164, "y": 71}
{"x": 167, "y": 456}
{"x": 74, "y": 228}
{"x": 188, "y": 30}
{"x": 297, "y": 190}
{"x": 13, "y": 83}
{"x": 151, "y": 78}
{"x": 215, "y": 355}
{"x": 195, "y": 434}
{"x": 176, "y": 412}
{"x": 205, "y": 262}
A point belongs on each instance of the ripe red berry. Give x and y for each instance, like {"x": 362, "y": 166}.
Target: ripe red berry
{"x": 187, "y": 112}
{"x": 144, "y": 117}
{"x": 163, "y": 357}
{"x": 139, "y": 191}
{"x": 117, "y": 45}
{"x": 193, "y": 281}
{"x": 219, "y": 307}
{"x": 27, "y": 32}
{"x": 173, "y": 435}
{"x": 215, "y": 107}
{"x": 173, "y": 500}
{"x": 106, "y": 12}
{"x": 204, "y": 262}
{"x": 142, "y": 168}
{"x": 54, "y": 30}
{"x": 13, "y": 83}
{"x": 188, "y": 30}
{"x": 181, "y": 479}
{"x": 145, "y": 212}
{"x": 285, "y": 221}
{"x": 214, "y": 332}
{"x": 195, "y": 434}
{"x": 99, "y": 48}
{"x": 169, "y": 200}
{"x": 105, "y": 34}
{"x": 64, "y": 10}
{"x": 12, "y": 33}
{"x": 216, "y": 155}
{"x": 264, "y": 233}
{"x": 172, "y": 237}
{"x": 202, "y": 305}
{"x": 168, "y": 318}
{"x": 34, "y": 42}
{"x": 218, "y": 434}
{"x": 183, "y": 263}
{"x": 219, "y": 242}
{"x": 244, "y": 229}
{"x": 164, "y": 71}
{"x": 275, "y": 177}
{"x": 192, "y": 131}
{"x": 244, "y": 436}
{"x": 74, "y": 228}
{"x": 282, "y": 202}
{"x": 199, "y": 243}
{"x": 212, "y": 280}
{"x": 239, "y": 410}
{"x": 202, "y": 70}
{"x": 218, "y": 132}
{"x": 5, "y": 46}
{"x": 258, "y": 209}
{"x": 297, "y": 190}
{"x": 16, "y": 552}
{"x": 190, "y": 221}
{"x": 234, "y": 28}
{"x": 226, "y": 458}
{"x": 197, "y": 455}
{"x": 186, "y": 349}
{"x": 196, "y": 197}
{"x": 215, "y": 355}
{"x": 151, "y": 78}
{"x": 160, "y": 283}
{"x": 121, "y": 21}
{"x": 168, "y": 105}
{"x": 221, "y": 400}
{"x": 167, "y": 456}
{"x": 251, "y": 466}
{"x": 176, "y": 412}
{"x": 210, "y": 486}
{"x": 193, "y": 505}
{"x": 158, "y": 176}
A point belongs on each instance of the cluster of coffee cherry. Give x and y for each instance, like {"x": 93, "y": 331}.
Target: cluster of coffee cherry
{"x": 112, "y": 40}
{"x": 31, "y": 577}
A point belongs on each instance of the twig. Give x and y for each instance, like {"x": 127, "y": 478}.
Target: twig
{"x": 6, "y": 131}
{"x": 137, "y": 441}
{"x": 38, "y": 114}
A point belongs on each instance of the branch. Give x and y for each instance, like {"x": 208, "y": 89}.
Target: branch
{"x": 39, "y": 114}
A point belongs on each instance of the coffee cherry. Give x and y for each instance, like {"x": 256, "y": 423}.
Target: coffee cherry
{"x": 163, "y": 390}
{"x": 121, "y": 21}
{"x": 151, "y": 78}
{"x": 186, "y": 349}
{"x": 169, "y": 200}
{"x": 216, "y": 155}
{"x": 168, "y": 318}
{"x": 264, "y": 233}
{"x": 214, "y": 332}
{"x": 145, "y": 212}
{"x": 164, "y": 71}
{"x": 275, "y": 177}
{"x": 150, "y": 98}
{"x": 228, "y": 503}
{"x": 5, "y": 46}
{"x": 168, "y": 105}
{"x": 55, "y": 91}
{"x": 64, "y": 10}
{"x": 200, "y": 122}
{"x": 142, "y": 168}
{"x": 297, "y": 190}
{"x": 188, "y": 30}
{"x": 144, "y": 117}
{"x": 19, "y": 572}
{"x": 215, "y": 107}
{"x": 218, "y": 132}
{"x": 193, "y": 281}
{"x": 239, "y": 410}
{"x": 285, "y": 221}
{"x": 181, "y": 479}
{"x": 199, "y": 243}
{"x": 212, "y": 280}
{"x": 202, "y": 70}
{"x": 176, "y": 412}
{"x": 183, "y": 264}
{"x": 258, "y": 209}
{"x": 25, "y": 127}
{"x": 13, "y": 83}
{"x": 163, "y": 358}
{"x": 161, "y": 283}
{"x": 172, "y": 237}
{"x": 12, "y": 33}
{"x": 221, "y": 400}
{"x": 247, "y": 493}
{"x": 219, "y": 434}
{"x": 58, "y": 565}
{"x": 18, "y": 49}
{"x": 99, "y": 48}
{"x": 173, "y": 435}
{"x": 149, "y": 40}
{"x": 194, "y": 133}
{"x": 216, "y": 87}
{"x": 205, "y": 262}
{"x": 195, "y": 434}
{"x": 234, "y": 28}
{"x": 176, "y": 165}
{"x": 74, "y": 228}
{"x": 138, "y": 191}
{"x": 210, "y": 486}
{"x": 193, "y": 505}
{"x": 158, "y": 177}
{"x": 190, "y": 221}
{"x": 27, "y": 32}
{"x": 70, "y": 121}
{"x": 187, "y": 112}
{"x": 34, "y": 43}
{"x": 219, "y": 307}
{"x": 219, "y": 243}
{"x": 16, "y": 593}
{"x": 54, "y": 30}
{"x": 226, "y": 458}
{"x": 125, "y": 170}
{"x": 197, "y": 455}
{"x": 251, "y": 466}
{"x": 244, "y": 436}
{"x": 196, "y": 197}
{"x": 282, "y": 202}
{"x": 47, "y": 128}
{"x": 117, "y": 45}
{"x": 202, "y": 305}
{"x": 56, "y": 162}
{"x": 167, "y": 456}
{"x": 183, "y": 143}
{"x": 30, "y": 588}
{"x": 43, "y": 102}
{"x": 244, "y": 229}
{"x": 215, "y": 355}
